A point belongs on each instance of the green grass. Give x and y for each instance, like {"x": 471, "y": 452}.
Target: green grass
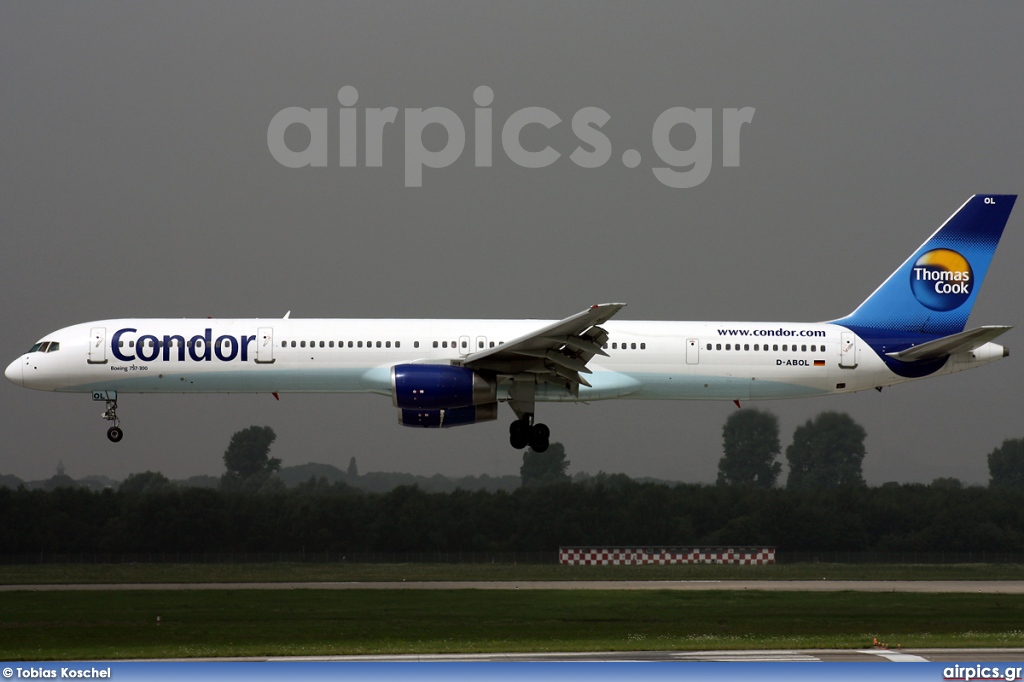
{"x": 123, "y": 624}
{"x": 72, "y": 573}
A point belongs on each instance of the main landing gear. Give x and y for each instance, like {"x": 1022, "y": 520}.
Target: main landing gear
{"x": 114, "y": 433}
{"x": 523, "y": 432}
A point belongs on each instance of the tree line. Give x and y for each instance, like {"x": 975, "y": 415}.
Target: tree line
{"x": 604, "y": 510}
{"x": 826, "y": 507}
{"x": 827, "y": 452}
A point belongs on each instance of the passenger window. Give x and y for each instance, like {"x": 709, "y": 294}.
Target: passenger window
{"x": 479, "y": 344}
{"x": 444, "y": 344}
{"x": 378, "y": 344}
{"x": 709, "y": 346}
{"x": 746, "y": 346}
{"x": 330, "y": 344}
{"x": 718, "y": 346}
{"x": 435, "y": 344}
{"x": 632, "y": 346}
{"x": 728, "y": 346}
{"x": 387, "y": 344}
{"x": 756, "y": 347}
{"x": 360, "y": 344}
{"x": 350, "y": 344}
{"x": 643, "y": 346}
{"x": 615, "y": 346}
{"x": 415, "y": 344}
{"x": 804, "y": 348}
{"x": 775, "y": 347}
{"x": 303, "y": 344}
{"x": 492, "y": 344}
{"x": 398, "y": 344}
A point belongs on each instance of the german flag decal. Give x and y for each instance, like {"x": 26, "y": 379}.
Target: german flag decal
{"x": 819, "y": 363}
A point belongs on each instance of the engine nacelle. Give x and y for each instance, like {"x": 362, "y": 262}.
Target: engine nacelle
{"x": 455, "y": 416}
{"x": 439, "y": 387}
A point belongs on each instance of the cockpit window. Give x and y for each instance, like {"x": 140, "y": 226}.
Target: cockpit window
{"x": 45, "y": 347}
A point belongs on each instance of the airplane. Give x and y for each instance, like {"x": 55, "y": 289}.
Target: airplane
{"x": 444, "y": 373}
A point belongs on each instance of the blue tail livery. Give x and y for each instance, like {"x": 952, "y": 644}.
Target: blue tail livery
{"x": 934, "y": 290}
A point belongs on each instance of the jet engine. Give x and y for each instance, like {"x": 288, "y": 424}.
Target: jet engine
{"x": 439, "y": 387}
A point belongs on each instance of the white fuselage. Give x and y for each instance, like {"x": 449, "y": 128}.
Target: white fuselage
{"x": 646, "y": 360}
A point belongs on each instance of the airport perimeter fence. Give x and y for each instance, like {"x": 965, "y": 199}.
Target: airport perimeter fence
{"x": 507, "y": 558}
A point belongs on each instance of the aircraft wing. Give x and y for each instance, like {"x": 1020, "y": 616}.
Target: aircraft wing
{"x": 557, "y": 353}
{"x": 948, "y": 345}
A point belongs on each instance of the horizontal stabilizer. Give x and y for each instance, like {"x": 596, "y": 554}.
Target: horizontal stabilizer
{"x": 948, "y": 345}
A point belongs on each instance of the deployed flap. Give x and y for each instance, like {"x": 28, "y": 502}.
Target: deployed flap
{"x": 948, "y": 345}
{"x": 557, "y": 353}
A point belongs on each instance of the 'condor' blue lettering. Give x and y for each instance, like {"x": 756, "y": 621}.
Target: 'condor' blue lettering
{"x": 148, "y": 343}
{"x": 232, "y": 344}
{"x": 193, "y": 344}
{"x": 178, "y": 342}
{"x": 115, "y": 343}
{"x": 201, "y": 347}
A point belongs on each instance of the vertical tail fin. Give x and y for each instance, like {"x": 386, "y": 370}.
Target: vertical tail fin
{"x": 934, "y": 290}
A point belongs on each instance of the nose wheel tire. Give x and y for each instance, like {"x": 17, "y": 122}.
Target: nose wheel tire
{"x": 115, "y": 434}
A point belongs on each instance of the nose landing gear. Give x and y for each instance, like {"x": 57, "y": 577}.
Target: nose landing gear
{"x": 114, "y": 433}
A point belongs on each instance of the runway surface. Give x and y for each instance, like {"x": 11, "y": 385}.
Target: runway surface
{"x": 1006, "y": 655}
{"x": 933, "y": 586}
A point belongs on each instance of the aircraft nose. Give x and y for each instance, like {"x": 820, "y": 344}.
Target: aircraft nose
{"x": 14, "y": 372}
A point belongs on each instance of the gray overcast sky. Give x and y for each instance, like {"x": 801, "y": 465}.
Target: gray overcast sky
{"x": 137, "y": 182}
